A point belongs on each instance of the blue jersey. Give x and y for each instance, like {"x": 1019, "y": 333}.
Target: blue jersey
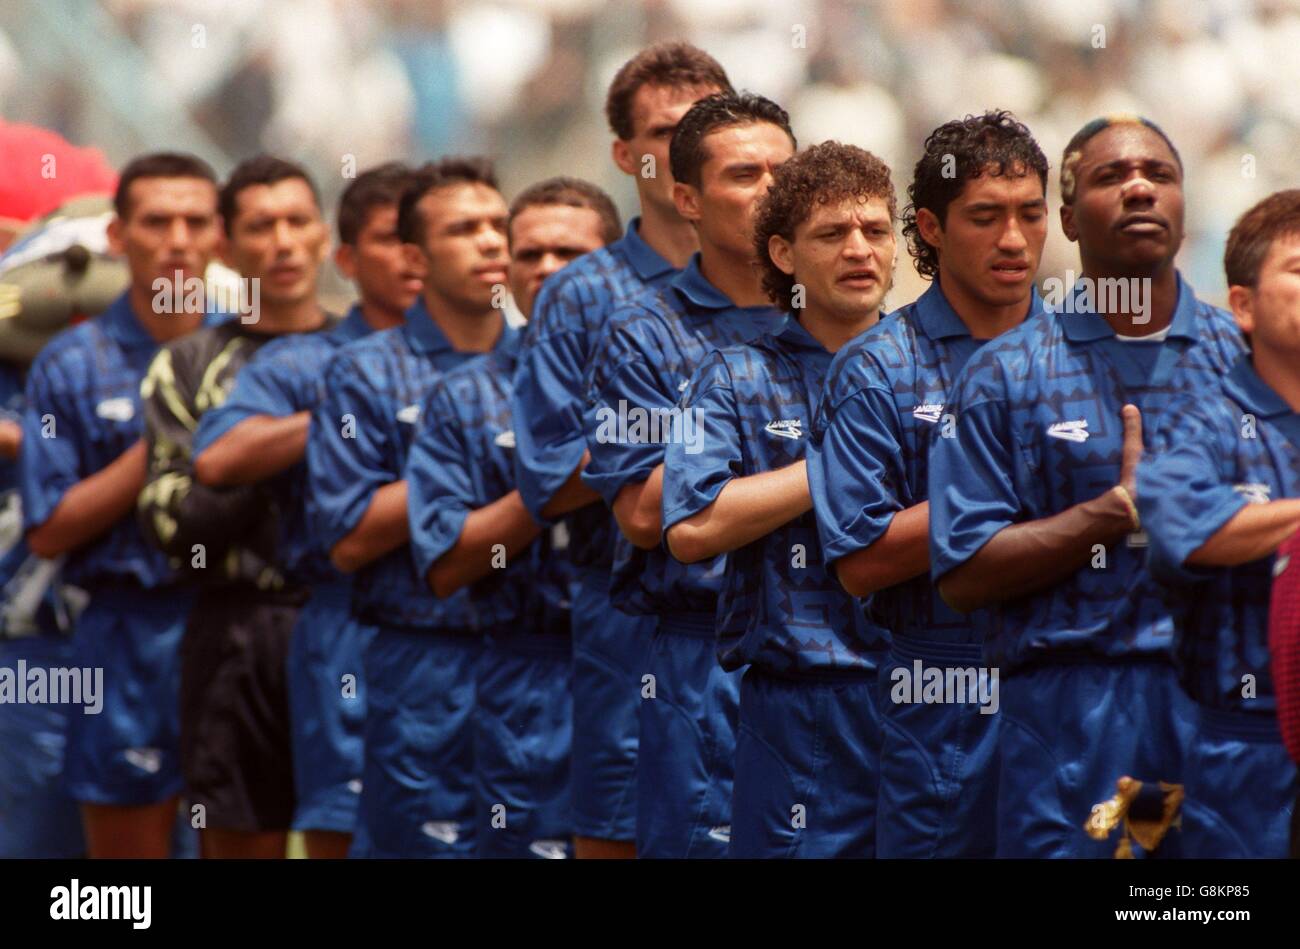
{"x": 83, "y": 411}
{"x": 779, "y": 607}
{"x": 360, "y": 437}
{"x": 567, "y": 319}
{"x": 1215, "y": 455}
{"x": 643, "y": 363}
{"x": 462, "y": 460}
{"x": 284, "y": 377}
{"x": 869, "y": 454}
{"x": 11, "y": 410}
{"x": 1037, "y": 429}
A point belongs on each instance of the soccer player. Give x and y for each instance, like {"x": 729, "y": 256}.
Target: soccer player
{"x": 723, "y": 155}
{"x": 82, "y": 464}
{"x": 647, "y": 97}
{"x": 469, "y": 528}
{"x": 1032, "y": 498}
{"x": 260, "y": 431}
{"x": 976, "y": 227}
{"x": 1218, "y": 494}
{"x": 417, "y": 779}
{"x": 1284, "y": 650}
{"x": 233, "y": 541}
{"x": 808, "y": 737}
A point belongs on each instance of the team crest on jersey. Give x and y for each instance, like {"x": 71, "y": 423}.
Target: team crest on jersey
{"x": 408, "y": 414}
{"x": 785, "y": 427}
{"x": 121, "y": 409}
{"x": 1075, "y": 430}
{"x": 505, "y": 439}
{"x": 929, "y": 412}
{"x": 1253, "y": 492}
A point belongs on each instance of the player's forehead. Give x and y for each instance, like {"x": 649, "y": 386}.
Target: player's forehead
{"x": 553, "y": 225}
{"x": 380, "y": 219}
{"x": 463, "y": 202}
{"x": 999, "y": 188}
{"x": 848, "y": 211}
{"x": 1126, "y": 144}
{"x": 171, "y": 195}
{"x": 758, "y": 142}
{"x": 1283, "y": 253}
{"x": 655, "y": 105}
{"x": 284, "y": 198}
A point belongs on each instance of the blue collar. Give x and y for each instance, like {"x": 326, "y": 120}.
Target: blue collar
{"x": 937, "y": 317}
{"x": 353, "y": 326}
{"x": 645, "y": 259}
{"x": 1252, "y": 393}
{"x": 1083, "y": 325}
{"x": 422, "y": 332}
{"x": 793, "y": 334}
{"x": 693, "y": 285}
{"x": 120, "y": 323}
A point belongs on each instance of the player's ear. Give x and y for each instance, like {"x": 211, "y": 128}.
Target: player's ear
{"x": 1067, "y": 223}
{"x": 927, "y": 222}
{"x": 782, "y": 254}
{"x": 623, "y": 157}
{"x": 687, "y": 201}
{"x": 345, "y": 260}
{"x": 115, "y": 243}
{"x": 1241, "y": 300}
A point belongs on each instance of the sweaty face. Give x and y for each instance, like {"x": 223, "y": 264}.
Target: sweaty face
{"x": 279, "y": 238}
{"x": 1127, "y": 213}
{"x": 656, "y": 110}
{"x": 1271, "y": 310}
{"x": 736, "y": 173}
{"x": 992, "y": 240}
{"x": 385, "y": 272}
{"x": 464, "y": 244}
{"x": 170, "y": 225}
{"x": 843, "y": 257}
{"x": 544, "y": 238}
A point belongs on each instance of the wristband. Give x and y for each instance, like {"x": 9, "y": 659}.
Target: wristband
{"x": 1132, "y": 507}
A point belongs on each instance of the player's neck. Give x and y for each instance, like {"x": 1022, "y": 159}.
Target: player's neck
{"x": 162, "y": 326}
{"x": 736, "y": 276}
{"x": 468, "y": 329}
{"x": 984, "y": 320}
{"x": 668, "y": 234}
{"x": 379, "y": 317}
{"x": 1278, "y": 370}
{"x": 291, "y": 316}
{"x": 833, "y": 332}
{"x": 1150, "y": 295}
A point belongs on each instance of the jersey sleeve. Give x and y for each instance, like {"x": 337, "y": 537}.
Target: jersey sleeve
{"x": 1185, "y": 490}
{"x": 439, "y": 481}
{"x": 347, "y": 451}
{"x": 52, "y": 456}
{"x": 703, "y": 453}
{"x": 855, "y": 469}
{"x": 266, "y": 386}
{"x": 547, "y": 401}
{"x": 972, "y": 486}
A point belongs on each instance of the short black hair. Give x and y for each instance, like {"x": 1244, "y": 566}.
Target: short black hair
{"x": 158, "y": 165}
{"x": 687, "y": 154}
{"x": 452, "y": 170}
{"x": 1252, "y": 237}
{"x": 570, "y": 192}
{"x": 260, "y": 170}
{"x": 1074, "y": 149}
{"x": 373, "y": 188}
{"x": 959, "y": 151}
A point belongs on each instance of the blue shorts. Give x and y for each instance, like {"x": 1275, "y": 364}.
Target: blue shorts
{"x": 37, "y": 817}
{"x": 807, "y": 761}
{"x": 523, "y": 727}
{"x": 939, "y": 767}
{"x": 610, "y": 651}
{"x": 1240, "y": 788}
{"x": 327, "y": 709}
{"x": 129, "y": 753}
{"x": 1069, "y": 732}
{"x": 687, "y": 756}
{"x": 417, "y": 795}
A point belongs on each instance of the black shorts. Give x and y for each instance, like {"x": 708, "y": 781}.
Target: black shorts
{"x": 235, "y": 740}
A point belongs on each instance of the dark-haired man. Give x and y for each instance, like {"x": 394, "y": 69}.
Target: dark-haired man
{"x": 646, "y": 99}
{"x": 470, "y": 528}
{"x": 1032, "y": 501}
{"x": 976, "y": 226}
{"x": 235, "y": 749}
{"x": 82, "y": 464}
{"x": 261, "y": 431}
{"x": 808, "y": 743}
{"x": 1218, "y": 495}
{"x": 723, "y": 155}
{"x": 417, "y": 796}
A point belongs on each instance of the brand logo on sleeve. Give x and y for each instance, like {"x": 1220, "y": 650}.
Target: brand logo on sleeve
{"x": 446, "y": 831}
{"x": 121, "y": 409}
{"x": 929, "y": 412}
{"x": 785, "y": 427}
{"x": 549, "y": 849}
{"x": 1075, "y": 430}
{"x": 505, "y": 439}
{"x": 1254, "y": 492}
{"x": 408, "y": 414}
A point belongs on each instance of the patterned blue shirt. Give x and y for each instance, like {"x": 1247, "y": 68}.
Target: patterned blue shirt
{"x": 83, "y": 411}
{"x": 643, "y": 363}
{"x": 869, "y": 454}
{"x": 284, "y": 377}
{"x": 462, "y": 460}
{"x": 1038, "y": 430}
{"x": 779, "y": 607}
{"x": 1215, "y": 455}
{"x": 359, "y": 441}
{"x": 568, "y": 316}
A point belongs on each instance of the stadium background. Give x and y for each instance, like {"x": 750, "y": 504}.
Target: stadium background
{"x": 327, "y": 82}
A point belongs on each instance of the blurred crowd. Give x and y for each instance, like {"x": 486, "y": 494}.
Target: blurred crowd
{"x": 333, "y": 82}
